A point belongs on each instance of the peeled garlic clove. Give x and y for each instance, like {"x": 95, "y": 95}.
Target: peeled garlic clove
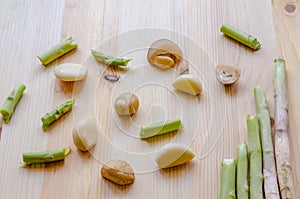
{"x": 126, "y": 104}
{"x": 227, "y": 75}
{"x": 70, "y": 72}
{"x": 174, "y": 154}
{"x": 118, "y": 171}
{"x": 188, "y": 83}
{"x": 164, "y": 54}
{"x": 85, "y": 134}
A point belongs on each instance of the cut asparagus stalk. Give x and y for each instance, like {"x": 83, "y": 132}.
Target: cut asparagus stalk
{"x": 255, "y": 158}
{"x": 242, "y": 185}
{"x": 57, "y": 51}
{"x": 11, "y": 102}
{"x": 45, "y": 156}
{"x": 282, "y": 149}
{"x": 109, "y": 60}
{"x": 269, "y": 167}
{"x": 228, "y": 179}
{"x": 58, "y": 112}
{"x": 159, "y": 128}
{"x": 240, "y": 36}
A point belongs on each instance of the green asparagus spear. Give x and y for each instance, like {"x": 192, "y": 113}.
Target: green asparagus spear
{"x": 228, "y": 179}
{"x": 11, "y": 102}
{"x": 57, "y": 51}
{"x": 159, "y": 128}
{"x": 46, "y": 156}
{"x": 240, "y": 36}
{"x": 109, "y": 60}
{"x": 282, "y": 146}
{"x": 242, "y": 185}
{"x": 269, "y": 167}
{"x": 58, "y": 112}
{"x": 255, "y": 158}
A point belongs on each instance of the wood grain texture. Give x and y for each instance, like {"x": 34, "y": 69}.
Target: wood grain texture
{"x": 29, "y": 27}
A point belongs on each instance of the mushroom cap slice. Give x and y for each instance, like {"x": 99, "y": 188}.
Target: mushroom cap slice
{"x": 227, "y": 74}
{"x": 164, "y": 54}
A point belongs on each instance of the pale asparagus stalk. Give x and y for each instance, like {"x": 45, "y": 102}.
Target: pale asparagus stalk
{"x": 255, "y": 158}
{"x": 269, "y": 168}
{"x": 228, "y": 179}
{"x": 242, "y": 186}
{"x": 282, "y": 149}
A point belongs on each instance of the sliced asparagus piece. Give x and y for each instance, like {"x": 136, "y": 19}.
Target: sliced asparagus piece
{"x": 58, "y": 112}
{"x": 228, "y": 179}
{"x": 282, "y": 149}
{"x": 159, "y": 128}
{"x": 57, "y": 51}
{"x": 45, "y": 156}
{"x": 242, "y": 185}
{"x": 109, "y": 60}
{"x": 269, "y": 167}
{"x": 11, "y": 102}
{"x": 255, "y": 158}
{"x": 240, "y": 36}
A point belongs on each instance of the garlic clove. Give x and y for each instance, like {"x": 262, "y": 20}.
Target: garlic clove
{"x": 188, "y": 83}
{"x": 174, "y": 154}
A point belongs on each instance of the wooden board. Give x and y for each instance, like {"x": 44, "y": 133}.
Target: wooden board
{"x": 214, "y": 123}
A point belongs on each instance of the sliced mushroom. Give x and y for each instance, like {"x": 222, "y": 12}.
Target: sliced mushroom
{"x": 227, "y": 75}
{"x": 164, "y": 54}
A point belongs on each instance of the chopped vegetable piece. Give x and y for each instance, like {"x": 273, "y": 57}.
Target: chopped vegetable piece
{"x": 11, "y": 102}
{"x": 57, "y": 51}
{"x": 109, "y": 60}
{"x": 269, "y": 167}
{"x": 118, "y": 171}
{"x": 159, "y": 128}
{"x": 46, "y": 156}
{"x": 174, "y": 154}
{"x": 58, "y": 112}
{"x": 126, "y": 104}
{"x": 240, "y": 36}
{"x": 188, "y": 83}
{"x": 255, "y": 158}
{"x": 164, "y": 54}
{"x": 282, "y": 149}
{"x": 85, "y": 134}
{"x": 242, "y": 186}
{"x": 227, "y": 75}
{"x": 70, "y": 72}
{"x": 228, "y": 179}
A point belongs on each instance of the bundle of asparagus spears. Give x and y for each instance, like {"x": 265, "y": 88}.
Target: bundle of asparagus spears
{"x": 259, "y": 172}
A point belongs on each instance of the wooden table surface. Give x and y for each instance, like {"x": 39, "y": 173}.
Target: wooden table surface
{"x": 27, "y": 28}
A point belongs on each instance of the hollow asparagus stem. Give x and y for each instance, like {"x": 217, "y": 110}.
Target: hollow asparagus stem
{"x": 255, "y": 158}
{"x": 45, "y": 156}
{"x": 109, "y": 60}
{"x": 57, "y": 51}
{"x": 11, "y": 102}
{"x": 269, "y": 167}
{"x": 228, "y": 179}
{"x": 58, "y": 112}
{"x": 242, "y": 186}
{"x": 240, "y": 36}
{"x": 159, "y": 128}
{"x": 282, "y": 149}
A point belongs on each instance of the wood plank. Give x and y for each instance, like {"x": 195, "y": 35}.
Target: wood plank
{"x": 25, "y": 32}
{"x": 220, "y": 112}
{"x": 286, "y": 20}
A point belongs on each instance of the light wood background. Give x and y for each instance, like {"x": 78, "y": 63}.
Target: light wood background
{"x": 27, "y": 28}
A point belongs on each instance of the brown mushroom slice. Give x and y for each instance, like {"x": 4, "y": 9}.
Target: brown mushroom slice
{"x": 227, "y": 75}
{"x": 164, "y": 54}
